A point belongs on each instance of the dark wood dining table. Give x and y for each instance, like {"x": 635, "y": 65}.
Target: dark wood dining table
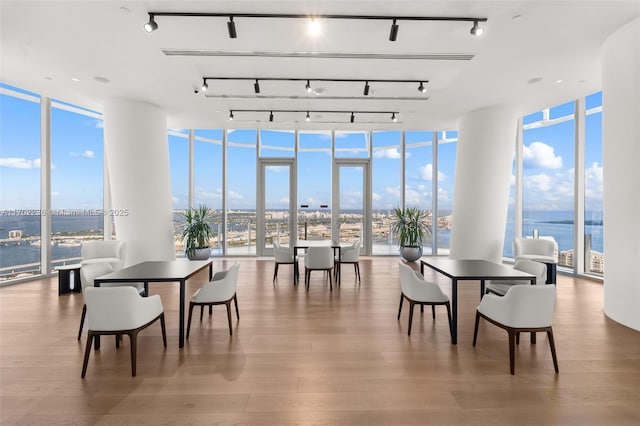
{"x": 159, "y": 271}
{"x": 472, "y": 270}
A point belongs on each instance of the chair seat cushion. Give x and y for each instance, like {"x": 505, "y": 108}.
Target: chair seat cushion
{"x": 537, "y": 258}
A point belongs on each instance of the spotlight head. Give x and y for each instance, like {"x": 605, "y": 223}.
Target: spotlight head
{"x": 366, "y": 89}
{"x": 314, "y": 27}
{"x": 231, "y": 28}
{"x": 353, "y": 118}
{"x": 307, "y": 118}
{"x": 256, "y": 87}
{"x": 476, "y": 30}
{"x": 231, "y": 115}
{"x": 393, "y": 117}
{"x": 151, "y": 26}
{"x": 393, "y": 34}
{"x": 205, "y": 86}
{"x": 271, "y": 116}
{"x": 307, "y": 87}
{"x": 421, "y": 88}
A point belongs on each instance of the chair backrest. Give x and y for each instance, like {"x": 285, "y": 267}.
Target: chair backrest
{"x": 112, "y": 251}
{"x": 90, "y": 271}
{"x": 350, "y": 253}
{"x": 282, "y": 254}
{"x": 119, "y": 308}
{"x": 533, "y": 247}
{"x": 222, "y": 289}
{"x": 532, "y": 267}
{"x": 416, "y": 288}
{"x": 522, "y": 306}
{"x": 319, "y": 258}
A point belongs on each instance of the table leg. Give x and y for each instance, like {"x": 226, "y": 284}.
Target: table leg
{"x": 295, "y": 266}
{"x": 181, "y": 326}
{"x": 64, "y": 285}
{"x": 454, "y": 309}
{"x": 96, "y": 339}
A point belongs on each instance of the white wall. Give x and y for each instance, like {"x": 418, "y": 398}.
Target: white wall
{"x": 484, "y": 161}
{"x": 137, "y": 152}
{"x": 621, "y": 169}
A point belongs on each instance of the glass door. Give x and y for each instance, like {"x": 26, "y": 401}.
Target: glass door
{"x": 351, "y": 218}
{"x": 276, "y": 203}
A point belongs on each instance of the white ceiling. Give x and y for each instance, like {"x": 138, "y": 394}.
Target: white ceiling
{"x": 45, "y": 44}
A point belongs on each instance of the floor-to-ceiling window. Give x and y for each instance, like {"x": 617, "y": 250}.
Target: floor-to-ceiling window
{"x": 207, "y": 179}
{"x": 19, "y": 183}
{"x": 548, "y": 178}
{"x": 594, "y": 240}
{"x": 241, "y": 191}
{"x": 314, "y": 185}
{"x": 179, "y": 173}
{"x": 418, "y": 175}
{"x": 386, "y": 187}
{"x": 77, "y": 213}
{"x": 447, "y": 145}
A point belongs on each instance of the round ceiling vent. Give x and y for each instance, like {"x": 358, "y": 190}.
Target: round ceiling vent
{"x": 319, "y": 91}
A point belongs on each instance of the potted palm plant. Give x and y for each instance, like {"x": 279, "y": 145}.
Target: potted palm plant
{"x": 410, "y": 227}
{"x": 196, "y": 231}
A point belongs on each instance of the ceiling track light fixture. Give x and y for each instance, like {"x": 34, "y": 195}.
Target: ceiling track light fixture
{"x": 151, "y": 26}
{"x": 204, "y": 86}
{"x": 307, "y": 86}
{"x": 393, "y": 34}
{"x": 476, "y": 30}
{"x": 352, "y": 116}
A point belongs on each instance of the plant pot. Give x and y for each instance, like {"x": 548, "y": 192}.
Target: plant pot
{"x": 411, "y": 253}
{"x": 199, "y": 253}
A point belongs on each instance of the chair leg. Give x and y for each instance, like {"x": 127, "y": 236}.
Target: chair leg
{"x": 552, "y": 345}
{"x": 164, "y": 330}
{"x": 410, "y": 317}
{"x": 475, "y": 329}
{"x": 275, "y": 272}
{"x": 330, "y": 281}
{"x": 518, "y": 339}
{"x": 229, "y": 316}
{"x": 87, "y": 351}
{"x": 400, "y": 307}
{"x": 117, "y": 341}
{"x": 210, "y": 310}
{"x": 433, "y": 311}
{"x": 84, "y": 314}
{"x": 235, "y": 301}
{"x": 191, "y": 306}
{"x": 421, "y": 308}
{"x": 357, "y": 268}
{"x": 133, "y": 336}
{"x": 512, "y": 350}
{"x": 307, "y": 278}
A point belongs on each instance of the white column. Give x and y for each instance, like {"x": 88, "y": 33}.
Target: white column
{"x": 621, "y": 157}
{"x": 137, "y": 151}
{"x": 484, "y": 161}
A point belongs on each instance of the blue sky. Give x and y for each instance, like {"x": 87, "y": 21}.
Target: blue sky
{"x": 77, "y": 161}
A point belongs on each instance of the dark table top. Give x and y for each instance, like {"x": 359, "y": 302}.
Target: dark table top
{"x": 473, "y": 269}
{"x": 169, "y": 270}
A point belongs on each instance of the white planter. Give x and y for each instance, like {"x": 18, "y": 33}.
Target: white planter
{"x": 411, "y": 254}
{"x": 199, "y": 254}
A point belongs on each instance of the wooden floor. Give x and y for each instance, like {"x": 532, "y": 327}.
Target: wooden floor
{"x": 316, "y": 358}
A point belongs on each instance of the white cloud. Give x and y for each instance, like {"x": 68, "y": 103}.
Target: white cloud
{"x": 426, "y": 172}
{"x": 277, "y": 169}
{"x": 19, "y": 163}
{"x": 88, "y": 154}
{"x": 540, "y": 182}
{"x": 392, "y": 153}
{"x": 375, "y": 197}
{"x": 232, "y": 195}
{"x": 593, "y": 182}
{"x": 541, "y": 155}
{"x": 284, "y": 200}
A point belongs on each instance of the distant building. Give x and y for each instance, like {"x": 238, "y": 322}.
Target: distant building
{"x": 15, "y": 234}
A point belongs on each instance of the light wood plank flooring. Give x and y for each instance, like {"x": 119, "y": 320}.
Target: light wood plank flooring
{"x": 316, "y": 358}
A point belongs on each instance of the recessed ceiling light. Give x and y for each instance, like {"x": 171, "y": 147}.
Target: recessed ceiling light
{"x": 534, "y": 80}
{"x": 516, "y": 17}
{"x": 75, "y": 79}
{"x": 319, "y": 91}
{"x": 101, "y": 79}
{"x": 48, "y": 78}
{"x": 558, "y": 81}
{"x": 124, "y": 9}
{"x": 314, "y": 27}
